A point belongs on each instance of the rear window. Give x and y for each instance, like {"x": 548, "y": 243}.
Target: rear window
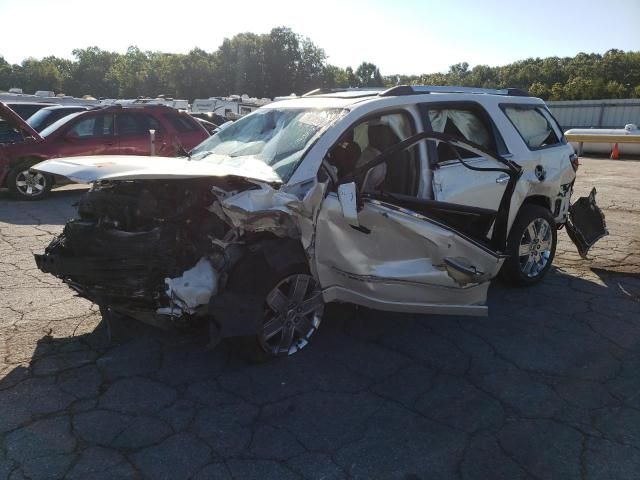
{"x": 182, "y": 123}
{"x": 45, "y": 117}
{"x": 532, "y": 125}
{"x": 58, "y": 124}
{"x": 25, "y": 110}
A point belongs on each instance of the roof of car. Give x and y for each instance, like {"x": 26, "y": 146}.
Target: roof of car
{"x": 67, "y": 107}
{"x": 346, "y": 97}
{"x": 48, "y": 104}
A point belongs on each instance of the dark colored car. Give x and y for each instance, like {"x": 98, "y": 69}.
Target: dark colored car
{"x": 112, "y": 130}
{"x": 26, "y": 109}
{"x": 48, "y": 115}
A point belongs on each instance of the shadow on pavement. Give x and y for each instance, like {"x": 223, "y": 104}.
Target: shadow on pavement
{"x": 546, "y": 386}
{"x": 53, "y": 210}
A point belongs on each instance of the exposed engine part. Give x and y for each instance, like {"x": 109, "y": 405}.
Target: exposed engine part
{"x": 193, "y": 288}
{"x": 135, "y": 240}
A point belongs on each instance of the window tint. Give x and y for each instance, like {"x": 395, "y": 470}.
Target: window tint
{"x": 25, "y": 110}
{"x": 136, "y": 123}
{"x": 95, "y": 126}
{"x": 462, "y": 123}
{"x": 532, "y": 125}
{"x": 45, "y": 117}
{"x": 182, "y": 123}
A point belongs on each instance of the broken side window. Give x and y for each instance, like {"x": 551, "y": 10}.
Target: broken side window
{"x": 464, "y": 124}
{"x": 532, "y": 125}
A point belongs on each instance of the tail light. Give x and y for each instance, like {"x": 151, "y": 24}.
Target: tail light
{"x": 575, "y": 161}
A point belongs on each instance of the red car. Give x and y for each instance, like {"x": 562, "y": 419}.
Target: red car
{"x": 112, "y": 130}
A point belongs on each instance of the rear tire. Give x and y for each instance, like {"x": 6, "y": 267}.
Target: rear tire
{"x": 25, "y": 184}
{"x": 531, "y": 246}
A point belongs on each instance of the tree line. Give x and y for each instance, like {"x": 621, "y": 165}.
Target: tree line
{"x": 282, "y": 62}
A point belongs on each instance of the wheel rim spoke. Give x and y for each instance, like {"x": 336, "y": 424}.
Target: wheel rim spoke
{"x": 273, "y": 327}
{"x": 21, "y": 183}
{"x": 529, "y": 265}
{"x": 543, "y": 230}
{"x": 311, "y": 304}
{"x": 535, "y": 247}
{"x": 277, "y": 300}
{"x": 297, "y": 314}
{"x": 300, "y": 288}
{"x": 287, "y": 337}
{"x": 524, "y": 250}
{"x": 39, "y": 187}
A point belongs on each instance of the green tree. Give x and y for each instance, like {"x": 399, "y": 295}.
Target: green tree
{"x": 368, "y": 75}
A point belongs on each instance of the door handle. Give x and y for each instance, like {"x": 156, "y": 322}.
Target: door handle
{"x": 504, "y": 178}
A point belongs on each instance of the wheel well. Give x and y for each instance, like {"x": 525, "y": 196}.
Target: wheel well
{"x": 538, "y": 200}
{"x": 31, "y": 160}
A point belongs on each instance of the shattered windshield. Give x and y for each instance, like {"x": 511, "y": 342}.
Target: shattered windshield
{"x": 276, "y": 137}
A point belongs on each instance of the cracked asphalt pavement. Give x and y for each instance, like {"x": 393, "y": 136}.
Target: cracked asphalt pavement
{"x": 546, "y": 387}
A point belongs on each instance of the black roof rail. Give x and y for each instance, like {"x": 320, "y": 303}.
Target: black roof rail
{"x": 326, "y": 91}
{"x": 138, "y": 105}
{"x": 421, "y": 89}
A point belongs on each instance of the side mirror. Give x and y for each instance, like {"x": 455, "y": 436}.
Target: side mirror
{"x": 348, "y": 198}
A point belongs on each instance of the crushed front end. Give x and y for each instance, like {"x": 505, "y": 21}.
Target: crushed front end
{"x": 159, "y": 251}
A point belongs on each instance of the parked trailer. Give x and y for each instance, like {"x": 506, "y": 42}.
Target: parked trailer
{"x": 44, "y": 97}
{"x": 231, "y": 108}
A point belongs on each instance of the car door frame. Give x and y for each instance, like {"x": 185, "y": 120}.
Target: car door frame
{"x": 460, "y": 297}
{"x": 99, "y": 140}
{"x": 139, "y": 139}
{"x": 437, "y": 167}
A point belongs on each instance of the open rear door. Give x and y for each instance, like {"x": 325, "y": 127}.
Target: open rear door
{"x": 402, "y": 253}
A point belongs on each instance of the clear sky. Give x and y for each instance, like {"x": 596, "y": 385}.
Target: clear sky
{"x": 402, "y": 36}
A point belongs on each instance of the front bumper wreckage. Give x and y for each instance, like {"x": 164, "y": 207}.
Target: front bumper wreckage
{"x": 171, "y": 252}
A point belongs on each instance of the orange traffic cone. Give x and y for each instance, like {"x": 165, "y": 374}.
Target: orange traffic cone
{"x": 615, "y": 154}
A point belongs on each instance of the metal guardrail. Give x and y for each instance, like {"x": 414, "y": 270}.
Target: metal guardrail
{"x": 582, "y": 138}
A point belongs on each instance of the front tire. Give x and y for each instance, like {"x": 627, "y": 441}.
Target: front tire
{"x": 25, "y": 184}
{"x": 531, "y": 246}
{"x": 293, "y": 310}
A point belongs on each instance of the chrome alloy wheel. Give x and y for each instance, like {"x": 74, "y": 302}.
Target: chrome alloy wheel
{"x": 535, "y": 247}
{"x": 30, "y": 184}
{"x": 293, "y": 314}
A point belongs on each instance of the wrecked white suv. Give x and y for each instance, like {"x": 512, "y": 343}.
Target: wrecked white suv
{"x": 409, "y": 199}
